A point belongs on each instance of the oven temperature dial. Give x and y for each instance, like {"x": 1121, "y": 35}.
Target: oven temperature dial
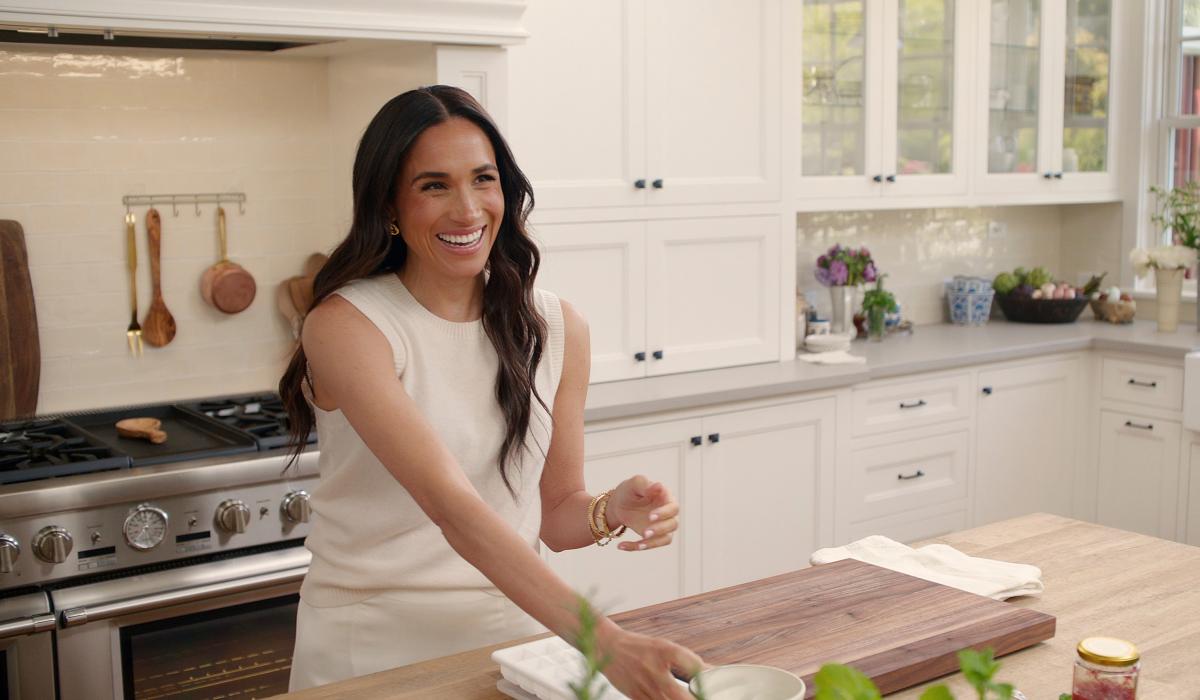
{"x": 295, "y": 506}
{"x": 233, "y": 515}
{"x": 145, "y": 527}
{"x": 52, "y": 544}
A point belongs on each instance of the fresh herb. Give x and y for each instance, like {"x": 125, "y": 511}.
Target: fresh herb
{"x": 839, "y": 682}
{"x": 593, "y": 661}
{"x": 979, "y": 668}
{"x": 1179, "y": 212}
{"x": 879, "y": 298}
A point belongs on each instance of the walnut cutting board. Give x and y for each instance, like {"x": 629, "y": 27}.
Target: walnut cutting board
{"x": 20, "y": 352}
{"x": 897, "y": 629}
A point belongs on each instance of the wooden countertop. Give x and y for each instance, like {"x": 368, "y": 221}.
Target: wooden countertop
{"x": 1099, "y": 581}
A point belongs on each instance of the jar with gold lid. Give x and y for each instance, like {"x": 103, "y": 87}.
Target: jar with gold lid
{"x": 1106, "y": 668}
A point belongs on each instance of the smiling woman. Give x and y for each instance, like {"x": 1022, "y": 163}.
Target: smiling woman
{"x": 448, "y": 394}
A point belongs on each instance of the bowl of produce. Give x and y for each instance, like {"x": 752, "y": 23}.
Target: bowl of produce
{"x": 1034, "y": 296}
{"x": 1114, "y": 306}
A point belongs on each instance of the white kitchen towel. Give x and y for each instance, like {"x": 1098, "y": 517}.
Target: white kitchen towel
{"x": 834, "y": 357}
{"x": 942, "y": 564}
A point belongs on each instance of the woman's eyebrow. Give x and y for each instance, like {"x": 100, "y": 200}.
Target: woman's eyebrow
{"x": 433, "y": 174}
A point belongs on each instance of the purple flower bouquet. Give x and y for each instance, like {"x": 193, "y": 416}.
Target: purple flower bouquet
{"x": 843, "y": 266}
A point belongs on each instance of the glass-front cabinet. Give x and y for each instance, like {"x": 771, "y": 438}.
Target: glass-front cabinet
{"x": 1046, "y": 86}
{"x": 884, "y": 97}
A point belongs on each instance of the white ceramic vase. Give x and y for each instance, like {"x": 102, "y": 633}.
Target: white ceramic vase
{"x": 1168, "y": 289}
{"x": 842, "y": 312}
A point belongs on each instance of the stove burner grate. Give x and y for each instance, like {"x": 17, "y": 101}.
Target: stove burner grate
{"x": 41, "y": 449}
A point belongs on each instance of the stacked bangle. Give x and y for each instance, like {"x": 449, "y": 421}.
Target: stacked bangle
{"x": 598, "y": 520}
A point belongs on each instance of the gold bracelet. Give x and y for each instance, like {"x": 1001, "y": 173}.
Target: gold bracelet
{"x": 598, "y": 513}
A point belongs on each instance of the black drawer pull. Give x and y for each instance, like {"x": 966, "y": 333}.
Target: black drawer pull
{"x": 1139, "y": 426}
{"x": 1148, "y": 385}
{"x": 697, "y": 441}
{"x": 877, "y": 178}
{"x": 916, "y": 404}
{"x": 658, "y": 354}
{"x": 657, "y": 184}
{"x": 918, "y": 475}
{"x": 640, "y": 184}
{"x": 987, "y": 391}
{"x": 714, "y": 438}
{"x": 639, "y": 356}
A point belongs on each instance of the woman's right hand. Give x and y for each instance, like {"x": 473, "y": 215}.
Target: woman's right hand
{"x": 640, "y": 666}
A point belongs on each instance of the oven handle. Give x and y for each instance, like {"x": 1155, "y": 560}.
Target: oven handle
{"x": 26, "y": 626}
{"x": 74, "y": 617}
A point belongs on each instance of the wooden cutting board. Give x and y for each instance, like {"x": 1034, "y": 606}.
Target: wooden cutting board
{"x": 20, "y": 353}
{"x": 897, "y": 629}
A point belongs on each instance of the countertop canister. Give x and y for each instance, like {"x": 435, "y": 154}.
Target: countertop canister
{"x": 1106, "y": 668}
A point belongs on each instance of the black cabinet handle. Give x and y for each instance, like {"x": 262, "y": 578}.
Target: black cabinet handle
{"x": 697, "y": 440}
{"x": 890, "y": 178}
{"x": 1148, "y": 385}
{"x": 658, "y": 354}
{"x": 639, "y": 356}
{"x": 987, "y": 391}
{"x": 1139, "y": 426}
{"x": 915, "y": 404}
{"x": 1048, "y": 175}
{"x": 1057, "y": 176}
{"x": 657, "y": 184}
{"x": 640, "y": 184}
{"x": 878, "y": 178}
{"x": 714, "y": 438}
{"x": 906, "y": 477}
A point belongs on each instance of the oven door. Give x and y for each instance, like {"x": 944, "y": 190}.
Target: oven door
{"x": 26, "y": 649}
{"x": 222, "y": 628}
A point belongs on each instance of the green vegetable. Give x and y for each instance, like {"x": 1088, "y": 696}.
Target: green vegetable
{"x": 1004, "y": 283}
{"x": 1093, "y": 285}
{"x": 838, "y": 682}
{"x": 879, "y": 298}
{"x": 1039, "y": 277}
{"x": 1022, "y": 276}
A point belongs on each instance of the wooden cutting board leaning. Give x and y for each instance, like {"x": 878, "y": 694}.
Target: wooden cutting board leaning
{"x": 20, "y": 351}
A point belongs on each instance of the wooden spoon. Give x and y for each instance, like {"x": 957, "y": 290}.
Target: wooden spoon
{"x": 158, "y": 328}
{"x": 283, "y": 302}
{"x": 314, "y": 263}
{"x": 142, "y": 429}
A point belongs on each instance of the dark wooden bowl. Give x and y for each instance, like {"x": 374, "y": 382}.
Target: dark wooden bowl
{"x": 1026, "y": 310}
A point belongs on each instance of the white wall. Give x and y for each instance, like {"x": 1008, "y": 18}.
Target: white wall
{"x": 81, "y": 127}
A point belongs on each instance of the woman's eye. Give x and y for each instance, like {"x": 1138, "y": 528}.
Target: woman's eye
{"x": 432, "y": 185}
{"x": 486, "y": 177}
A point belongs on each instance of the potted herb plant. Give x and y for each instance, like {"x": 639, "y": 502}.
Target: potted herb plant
{"x": 877, "y": 304}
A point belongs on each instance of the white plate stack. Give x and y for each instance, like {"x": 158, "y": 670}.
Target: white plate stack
{"x": 828, "y": 342}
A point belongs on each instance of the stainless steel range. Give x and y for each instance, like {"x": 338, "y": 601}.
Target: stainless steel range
{"x": 152, "y": 570}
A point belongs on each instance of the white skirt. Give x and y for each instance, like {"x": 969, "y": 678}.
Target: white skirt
{"x": 398, "y": 628}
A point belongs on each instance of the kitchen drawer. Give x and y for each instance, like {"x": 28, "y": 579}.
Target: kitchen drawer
{"x": 910, "y": 404}
{"x": 1142, "y": 383}
{"x": 905, "y": 476}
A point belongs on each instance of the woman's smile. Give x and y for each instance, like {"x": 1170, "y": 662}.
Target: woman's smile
{"x": 463, "y": 241}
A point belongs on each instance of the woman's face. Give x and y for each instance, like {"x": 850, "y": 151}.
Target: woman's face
{"x": 448, "y": 200}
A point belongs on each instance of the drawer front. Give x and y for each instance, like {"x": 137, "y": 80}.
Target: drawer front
{"x": 1143, "y": 383}
{"x": 905, "y": 405}
{"x": 905, "y": 476}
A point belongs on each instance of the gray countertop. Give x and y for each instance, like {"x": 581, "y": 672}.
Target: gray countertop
{"x": 929, "y": 348}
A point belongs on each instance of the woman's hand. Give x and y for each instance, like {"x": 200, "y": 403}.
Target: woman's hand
{"x": 647, "y": 508}
{"x": 641, "y": 666}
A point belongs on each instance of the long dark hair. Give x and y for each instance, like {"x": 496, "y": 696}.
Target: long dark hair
{"x": 510, "y": 318}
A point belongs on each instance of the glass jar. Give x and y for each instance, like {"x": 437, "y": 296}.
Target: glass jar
{"x": 1106, "y": 669}
{"x": 876, "y": 323}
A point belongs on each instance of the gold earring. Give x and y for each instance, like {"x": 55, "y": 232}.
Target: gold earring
{"x": 393, "y": 229}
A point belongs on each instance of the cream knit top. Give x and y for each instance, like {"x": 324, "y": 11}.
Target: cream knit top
{"x": 368, "y": 535}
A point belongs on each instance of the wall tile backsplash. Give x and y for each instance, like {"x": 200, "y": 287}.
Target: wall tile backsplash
{"x": 81, "y": 127}
{"x": 919, "y": 248}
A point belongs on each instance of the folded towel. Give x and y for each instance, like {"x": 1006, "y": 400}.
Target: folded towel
{"x": 942, "y": 564}
{"x": 833, "y": 357}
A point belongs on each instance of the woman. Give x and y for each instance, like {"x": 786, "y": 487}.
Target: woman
{"x": 449, "y": 394}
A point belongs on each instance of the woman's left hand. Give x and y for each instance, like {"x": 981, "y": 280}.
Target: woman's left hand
{"x": 647, "y": 508}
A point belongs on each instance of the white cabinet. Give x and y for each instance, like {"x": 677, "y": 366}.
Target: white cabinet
{"x": 1191, "y": 533}
{"x": 747, "y": 486}
{"x": 670, "y": 295}
{"x": 884, "y": 99}
{"x": 1026, "y": 440}
{"x": 1139, "y": 473}
{"x": 636, "y": 102}
{"x": 1044, "y": 96}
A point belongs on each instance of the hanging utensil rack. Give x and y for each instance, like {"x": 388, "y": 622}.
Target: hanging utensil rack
{"x": 175, "y": 200}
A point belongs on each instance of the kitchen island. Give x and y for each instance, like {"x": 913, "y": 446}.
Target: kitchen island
{"x": 1099, "y": 581}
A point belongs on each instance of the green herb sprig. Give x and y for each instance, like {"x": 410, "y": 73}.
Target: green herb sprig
{"x": 841, "y": 682}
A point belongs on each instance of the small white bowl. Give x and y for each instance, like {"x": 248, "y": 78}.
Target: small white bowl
{"x": 748, "y": 682}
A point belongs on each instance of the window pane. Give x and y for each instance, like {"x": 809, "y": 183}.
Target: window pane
{"x": 925, "y": 114}
{"x": 1013, "y": 86}
{"x": 1189, "y": 80}
{"x": 1185, "y": 156}
{"x": 833, "y": 132}
{"x": 1085, "y": 127}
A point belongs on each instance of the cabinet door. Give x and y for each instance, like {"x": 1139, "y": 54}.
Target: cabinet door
{"x": 1026, "y": 440}
{"x": 712, "y": 101}
{"x": 600, "y": 269}
{"x": 1192, "y": 526}
{"x": 577, "y": 102}
{"x": 760, "y": 512}
{"x": 617, "y": 580}
{"x": 1139, "y": 473}
{"x": 712, "y": 288}
{"x": 841, "y": 112}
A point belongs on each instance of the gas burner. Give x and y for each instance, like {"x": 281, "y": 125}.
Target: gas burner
{"x": 261, "y": 415}
{"x": 44, "y": 448}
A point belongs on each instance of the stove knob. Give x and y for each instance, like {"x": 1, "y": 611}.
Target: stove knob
{"x": 52, "y": 544}
{"x": 295, "y": 506}
{"x": 10, "y": 549}
{"x": 233, "y": 515}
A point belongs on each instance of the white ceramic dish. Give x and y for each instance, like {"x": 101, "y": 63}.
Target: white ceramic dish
{"x": 827, "y": 343}
{"x": 748, "y": 682}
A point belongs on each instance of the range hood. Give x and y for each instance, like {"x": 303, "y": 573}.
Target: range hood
{"x": 261, "y": 25}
